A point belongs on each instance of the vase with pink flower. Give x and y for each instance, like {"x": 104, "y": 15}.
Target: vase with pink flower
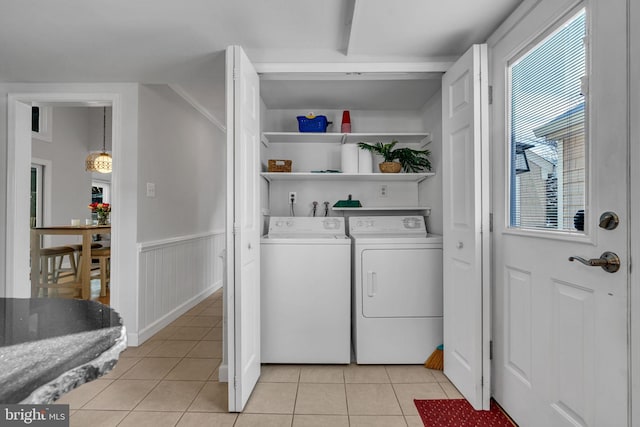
{"x": 102, "y": 210}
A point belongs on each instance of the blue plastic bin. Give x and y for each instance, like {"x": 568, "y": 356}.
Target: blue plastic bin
{"x": 317, "y": 124}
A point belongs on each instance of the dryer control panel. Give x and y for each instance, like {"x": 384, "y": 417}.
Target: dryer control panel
{"x": 391, "y": 225}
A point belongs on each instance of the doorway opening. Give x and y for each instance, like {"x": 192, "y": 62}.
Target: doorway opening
{"x": 31, "y": 156}
{"x": 74, "y": 194}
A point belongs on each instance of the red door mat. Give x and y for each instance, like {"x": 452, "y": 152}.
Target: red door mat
{"x": 459, "y": 413}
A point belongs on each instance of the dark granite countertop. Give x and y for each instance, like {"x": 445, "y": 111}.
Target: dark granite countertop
{"x": 50, "y": 346}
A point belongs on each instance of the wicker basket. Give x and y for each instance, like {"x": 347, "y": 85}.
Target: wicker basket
{"x": 279, "y": 165}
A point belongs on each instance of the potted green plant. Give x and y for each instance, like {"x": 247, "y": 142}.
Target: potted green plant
{"x": 408, "y": 159}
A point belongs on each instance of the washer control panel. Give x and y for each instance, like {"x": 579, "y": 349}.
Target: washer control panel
{"x": 306, "y": 225}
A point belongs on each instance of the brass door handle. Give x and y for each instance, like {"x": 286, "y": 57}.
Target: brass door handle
{"x": 609, "y": 261}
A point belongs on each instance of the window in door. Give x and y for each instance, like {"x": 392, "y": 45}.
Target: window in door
{"x": 548, "y": 131}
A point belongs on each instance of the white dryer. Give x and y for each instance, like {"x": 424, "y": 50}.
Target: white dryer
{"x": 396, "y": 289}
{"x": 306, "y": 291}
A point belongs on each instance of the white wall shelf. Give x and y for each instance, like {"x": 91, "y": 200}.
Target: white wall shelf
{"x": 423, "y": 138}
{"x": 386, "y": 177}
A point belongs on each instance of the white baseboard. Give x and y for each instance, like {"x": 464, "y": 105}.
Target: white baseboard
{"x": 165, "y": 320}
{"x": 223, "y": 373}
{"x": 132, "y": 340}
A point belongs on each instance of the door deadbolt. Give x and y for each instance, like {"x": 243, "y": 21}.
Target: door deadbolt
{"x": 609, "y": 220}
{"x": 609, "y": 261}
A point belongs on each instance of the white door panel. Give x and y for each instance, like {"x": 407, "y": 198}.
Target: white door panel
{"x": 465, "y": 216}
{"x": 242, "y": 298}
{"x": 560, "y": 327}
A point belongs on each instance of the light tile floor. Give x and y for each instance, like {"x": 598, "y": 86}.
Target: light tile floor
{"x": 172, "y": 380}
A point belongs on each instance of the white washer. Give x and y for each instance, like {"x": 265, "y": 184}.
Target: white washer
{"x": 397, "y": 289}
{"x": 306, "y": 291}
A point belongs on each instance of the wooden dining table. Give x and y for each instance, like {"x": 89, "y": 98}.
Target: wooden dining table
{"x": 86, "y": 231}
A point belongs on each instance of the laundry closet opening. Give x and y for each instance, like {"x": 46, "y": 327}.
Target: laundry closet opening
{"x": 351, "y": 258}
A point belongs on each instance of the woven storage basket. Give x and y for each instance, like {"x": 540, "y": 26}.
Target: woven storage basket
{"x": 279, "y": 165}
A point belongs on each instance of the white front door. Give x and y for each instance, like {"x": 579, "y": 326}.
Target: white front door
{"x": 243, "y": 228}
{"x": 560, "y": 142}
{"x": 466, "y": 226}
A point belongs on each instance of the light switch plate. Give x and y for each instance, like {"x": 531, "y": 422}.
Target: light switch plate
{"x": 151, "y": 189}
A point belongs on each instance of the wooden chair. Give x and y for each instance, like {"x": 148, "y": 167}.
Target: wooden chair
{"x": 51, "y": 270}
{"x": 103, "y": 255}
{"x": 78, "y": 250}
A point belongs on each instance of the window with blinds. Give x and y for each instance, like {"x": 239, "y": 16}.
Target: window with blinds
{"x": 548, "y": 131}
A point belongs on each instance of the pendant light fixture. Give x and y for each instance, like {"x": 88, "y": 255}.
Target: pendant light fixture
{"x": 100, "y": 162}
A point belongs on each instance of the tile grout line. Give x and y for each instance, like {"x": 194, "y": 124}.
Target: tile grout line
{"x": 404, "y": 417}
{"x": 295, "y": 400}
{"x": 346, "y": 397}
{"x": 199, "y": 391}
{"x": 204, "y": 383}
{"x": 395, "y": 393}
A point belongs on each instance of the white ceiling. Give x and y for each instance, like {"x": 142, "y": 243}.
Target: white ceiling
{"x": 424, "y": 28}
{"x": 166, "y": 41}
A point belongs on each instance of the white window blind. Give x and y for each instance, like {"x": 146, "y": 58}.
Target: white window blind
{"x": 547, "y": 131}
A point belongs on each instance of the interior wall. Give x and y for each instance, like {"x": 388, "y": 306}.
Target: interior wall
{"x": 181, "y": 227}
{"x": 96, "y": 126}
{"x": 70, "y": 183}
{"x": 205, "y": 85}
{"x": 399, "y": 194}
{"x": 182, "y": 153}
{"x": 430, "y": 192}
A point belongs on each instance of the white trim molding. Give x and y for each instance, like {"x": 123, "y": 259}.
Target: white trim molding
{"x": 155, "y": 327}
{"x": 198, "y": 106}
{"x": 146, "y": 246}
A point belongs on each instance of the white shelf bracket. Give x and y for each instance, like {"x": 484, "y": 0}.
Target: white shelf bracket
{"x": 264, "y": 140}
{"x": 425, "y": 141}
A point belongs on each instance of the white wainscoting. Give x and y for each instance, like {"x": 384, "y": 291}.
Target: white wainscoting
{"x": 175, "y": 275}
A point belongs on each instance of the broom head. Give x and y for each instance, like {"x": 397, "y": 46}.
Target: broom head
{"x": 436, "y": 360}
